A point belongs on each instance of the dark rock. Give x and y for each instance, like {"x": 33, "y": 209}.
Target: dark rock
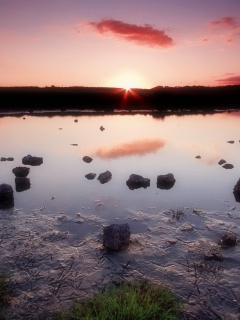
{"x": 227, "y": 166}
{"x": 236, "y": 191}
{"x": 237, "y": 186}
{"x": 90, "y": 176}
{"x": 228, "y": 240}
{"x": 7, "y": 159}
{"x": 116, "y": 236}
{"x": 87, "y": 159}
{"x": 6, "y": 196}
{"x": 76, "y": 120}
{"x": 230, "y": 141}
{"x": 102, "y": 128}
{"x": 222, "y": 161}
{"x": 198, "y": 157}
{"x": 32, "y": 161}
{"x": 22, "y": 184}
{"x": 21, "y": 171}
{"x": 136, "y": 181}
{"x": 104, "y": 177}
{"x": 74, "y": 144}
{"x": 166, "y": 181}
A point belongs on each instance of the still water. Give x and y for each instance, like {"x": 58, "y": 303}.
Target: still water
{"x": 140, "y": 144}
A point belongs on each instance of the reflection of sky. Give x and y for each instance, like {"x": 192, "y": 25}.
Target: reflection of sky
{"x": 131, "y": 148}
{"x": 137, "y": 144}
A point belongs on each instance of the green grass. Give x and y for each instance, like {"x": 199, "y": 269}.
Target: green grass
{"x": 4, "y": 292}
{"x": 138, "y": 300}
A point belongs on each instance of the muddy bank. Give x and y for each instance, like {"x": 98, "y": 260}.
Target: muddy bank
{"x": 51, "y": 267}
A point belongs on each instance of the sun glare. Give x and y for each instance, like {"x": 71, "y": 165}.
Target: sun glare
{"x": 127, "y": 81}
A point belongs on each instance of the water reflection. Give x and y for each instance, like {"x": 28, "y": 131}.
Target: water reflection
{"x": 22, "y": 184}
{"x": 138, "y": 147}
{"x": 129, "y": 143}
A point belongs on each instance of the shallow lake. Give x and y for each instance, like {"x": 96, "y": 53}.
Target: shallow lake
{"x": 142, "y": 144}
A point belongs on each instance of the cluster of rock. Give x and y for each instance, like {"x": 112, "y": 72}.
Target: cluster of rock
{"x": 22, "y": 183}
{"x": 225, "y": 165}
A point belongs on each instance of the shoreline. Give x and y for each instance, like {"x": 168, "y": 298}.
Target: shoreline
{"x": 50, "y": 268}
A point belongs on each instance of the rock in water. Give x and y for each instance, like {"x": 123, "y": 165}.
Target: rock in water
{"x": 227, "y": 166}
{"x": 116, "y": 236}
{"x": 104, "y": 177}
{"x": 136, "y": 181}
{"x": 6, "y": 196}
{"x": 87, "y": 159}
{"x": 236, "y": 191}
{"x": 22, "y": 184}
{"x": 21, "y": 171}
{"x": 165, "y": 181}
{"x": 32, "y": 160}
{"x": 90, "y": 176}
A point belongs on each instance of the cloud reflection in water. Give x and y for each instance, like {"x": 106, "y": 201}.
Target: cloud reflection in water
{"x": 137, "y": 147}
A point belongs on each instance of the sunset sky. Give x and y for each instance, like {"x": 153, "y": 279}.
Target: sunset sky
{"x": 127, "y": 43}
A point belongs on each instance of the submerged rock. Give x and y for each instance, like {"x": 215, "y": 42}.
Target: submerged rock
{"x": 21, "y": 171}
{"x": 228, "y": 240}
{"x": 32, "y": 160}
{"x": 6, "y": 196}
{"x": 227, "y": 166}
{"x": 22, "y": 184}
{"x": 116, "y": 236}
{"x": 90, "y": 176}
{"x": 166, "y": 181}
{"x": 136, "y": 181}
{"x": 104, "y": 177}
{"x": 87, "y": 159}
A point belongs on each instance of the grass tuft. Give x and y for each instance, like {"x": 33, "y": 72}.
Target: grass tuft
{"x": 139, "y": 300}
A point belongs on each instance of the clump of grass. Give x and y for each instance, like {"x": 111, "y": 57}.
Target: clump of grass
{"x": 4, "y": 293}
{"x": 177, "y": 214}
{"x": 4, "y": 288}
{"x": 140, "y": 300}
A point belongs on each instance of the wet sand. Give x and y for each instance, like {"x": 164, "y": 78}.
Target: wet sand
{"x": 50, "y": 268}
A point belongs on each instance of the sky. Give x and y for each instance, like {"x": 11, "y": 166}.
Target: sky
{"x": 126, "y": 44}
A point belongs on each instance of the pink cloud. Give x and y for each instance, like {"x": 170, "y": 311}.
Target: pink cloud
{"x": 230, "y": 80}
{"x": 144, "y": 35}
{"x": 229, "y": 22}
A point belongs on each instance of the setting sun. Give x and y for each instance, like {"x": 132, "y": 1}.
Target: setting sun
{"x": 127, "y": 81}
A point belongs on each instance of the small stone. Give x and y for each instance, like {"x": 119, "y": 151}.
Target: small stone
{"x": 87, "y": 159}
{"x": 116, "y": 236}
{"x": 76, "y": 120}
{"x": 230, "y": 141}
{"x": 228, "y": 240}
{"x": 104, "y": 177}
{"x": 227, "y": 166}
{"x": 198, "y": 157}
{"x": 90, "y": 176}
{"x": 21, "y": 171}
{"x": 102, "y": 128}
{"x": 222, "y": 161}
